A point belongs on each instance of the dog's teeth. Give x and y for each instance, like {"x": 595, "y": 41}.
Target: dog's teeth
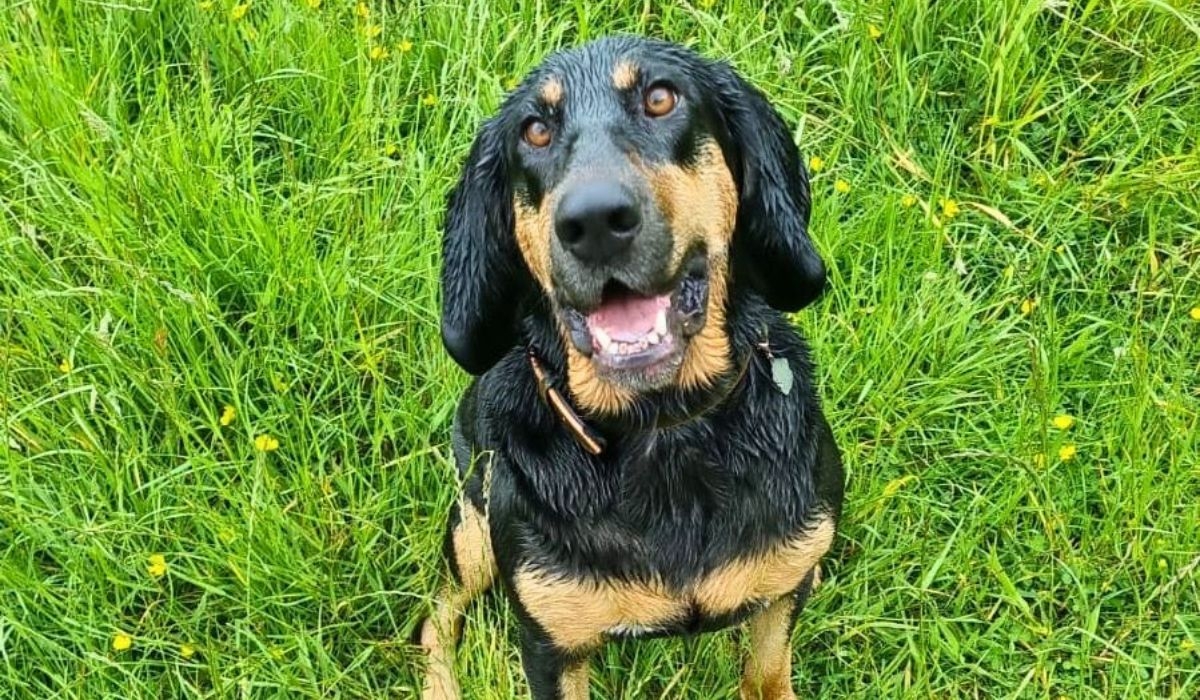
{"x": 660, "y": 322}
{"x": 602, "y": 339}
{"x": 653, "y": 338}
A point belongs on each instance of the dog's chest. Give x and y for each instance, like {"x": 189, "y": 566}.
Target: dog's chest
{"x": 694, "y": 534}
{"x": 579, "y": 611}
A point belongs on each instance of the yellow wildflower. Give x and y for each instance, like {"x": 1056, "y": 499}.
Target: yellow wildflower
{"x": 816, "y": 164}
{"x": 362, "y": 10}
{"x": 239, "y": 11}
{"x": 908, "y": 201}
{"x": 430, "y": 100}
{"x": 314, "y": 4}
{"x": 372, "y": 30}
{"x": 378, "y": 53}
{"x": 65, "y": 366}
{"x": 205, "y": 6}
{"x": 1195, "y": 313}
{"x": 404, "y": 46}
{"x": 266, "y": 443}
{"x": 228, "y": 413}
{"x": 121, "y": 641}
{"x": 1186, "y": 645}
{"x": 1066, "y": 453}
{"x": 874, "y": 32}
{"x": 1028, "y": 306}
{"x": 157, "y": 567}
{"x": 186, "y": 650}
{"x": 512, "y": 83}
{"x": 1162, "y": 564}
{"x": 1063, "y": 421}
{"x": 391, "y": 150}
{"x": 841, "y": 186}
{"x": 1061, "y": 249}
{"x": 950, "y": 208}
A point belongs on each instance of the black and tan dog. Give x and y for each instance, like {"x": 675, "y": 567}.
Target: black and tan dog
{"x": 643, "y": 452}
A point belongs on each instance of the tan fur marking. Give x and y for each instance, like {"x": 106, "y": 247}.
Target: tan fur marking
{"x": 473, "y": 549}
{"x": 624, "y": 75}
{"x": 701, "y": 202}
{"x": 573, "y": 684}
{"x": 576, "y": 614}
{"x": 708, "y": 354}
{"x": 551, "y": 92}
{"x": 472, "y": 544}
{"x": 532, "y": 227}
{"x": 767, "y": 674}
{"x": 592, "y": 392}
{"x": 765, "y": 576}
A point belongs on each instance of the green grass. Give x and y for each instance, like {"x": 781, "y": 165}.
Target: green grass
{"x": 198, "y": 212}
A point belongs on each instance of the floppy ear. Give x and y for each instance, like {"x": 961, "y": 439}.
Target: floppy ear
{"x": 483, "y": 279}
{"x": 771, "y": 249}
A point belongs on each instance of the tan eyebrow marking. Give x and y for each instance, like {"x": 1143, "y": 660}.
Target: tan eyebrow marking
{"x": 625, "y": 74}
{"x": 552, "y": 92}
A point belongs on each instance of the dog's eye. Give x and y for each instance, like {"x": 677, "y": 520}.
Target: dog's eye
{"x": 536, "y": 133}
{"x": 660, "y": 100}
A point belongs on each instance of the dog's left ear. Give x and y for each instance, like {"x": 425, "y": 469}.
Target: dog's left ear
{"x": 771, "y": 248}
{"x": 483, "y": 278}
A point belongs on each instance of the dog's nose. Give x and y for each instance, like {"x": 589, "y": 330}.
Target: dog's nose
{"x": 596, "y": 221}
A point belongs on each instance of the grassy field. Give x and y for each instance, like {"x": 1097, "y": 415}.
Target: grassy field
{"x": 225, "y": 408}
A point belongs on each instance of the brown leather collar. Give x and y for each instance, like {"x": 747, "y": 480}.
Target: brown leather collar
{"x": 583, "y": 433}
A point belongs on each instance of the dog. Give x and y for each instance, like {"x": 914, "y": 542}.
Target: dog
{"x": 643, "y": 451}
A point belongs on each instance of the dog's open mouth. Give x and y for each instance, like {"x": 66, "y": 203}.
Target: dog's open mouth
{"x": 634, "y": 331}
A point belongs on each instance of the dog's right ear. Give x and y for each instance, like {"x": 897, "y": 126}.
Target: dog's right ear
{"x": 483, "y": 278}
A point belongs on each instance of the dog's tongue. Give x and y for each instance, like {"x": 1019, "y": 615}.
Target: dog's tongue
{"x": 628, "y": 317}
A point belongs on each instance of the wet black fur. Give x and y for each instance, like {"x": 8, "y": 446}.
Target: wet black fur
{"x": 672, "y": 503}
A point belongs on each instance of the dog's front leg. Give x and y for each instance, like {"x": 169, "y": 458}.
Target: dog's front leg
{"x": 552, "y": 673}
{"x": 768, "y": 671}
{"x": 472, "y": 569}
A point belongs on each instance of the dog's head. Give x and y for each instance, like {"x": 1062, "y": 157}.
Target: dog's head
{"x": 637, "y": 186}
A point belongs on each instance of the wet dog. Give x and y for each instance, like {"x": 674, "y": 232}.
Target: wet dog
{"x": 643, "y": 451}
